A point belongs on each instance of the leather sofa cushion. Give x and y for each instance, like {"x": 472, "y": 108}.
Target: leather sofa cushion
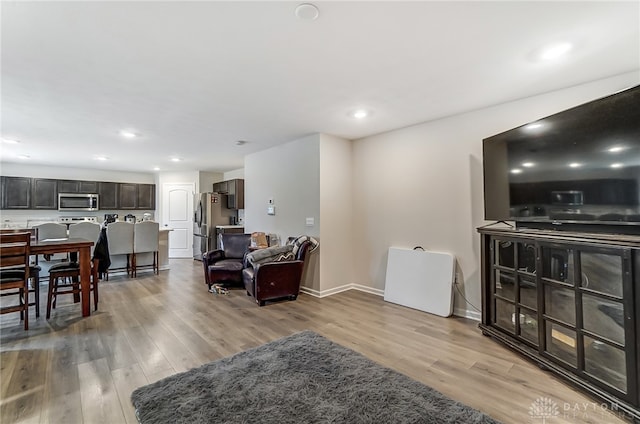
{"x": 235, "y": 245}
{"x": 227, "y": 265}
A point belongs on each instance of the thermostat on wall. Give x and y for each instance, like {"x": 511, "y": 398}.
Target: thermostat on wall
{"x": 271, "y": 210}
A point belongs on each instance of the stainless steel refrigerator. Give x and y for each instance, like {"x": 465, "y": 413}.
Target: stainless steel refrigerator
{"x": 210, "y": 211}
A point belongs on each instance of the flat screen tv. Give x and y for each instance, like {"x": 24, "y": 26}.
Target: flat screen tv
{"x": 579, "y": 166}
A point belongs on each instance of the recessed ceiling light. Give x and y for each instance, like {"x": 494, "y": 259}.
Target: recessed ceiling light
{"x": 360, "y": 113}
{"x": 516, "y": 171}
{"x": 307, "y": 12}
{"x": 615, "y": 149}
{"x": 528, "y": 164}
{"x": 175, "y": 159}
{"x": 10, "y": 141}
{"x": 100, "y": 158}
{"x": 128, "y": 134}
{"x": 156, "y": 168}
{"x": 24, "y": 157}
{"x": 575, "y": 165}
{"x": 617, "y": 165}
{"x": 555, "y": 51}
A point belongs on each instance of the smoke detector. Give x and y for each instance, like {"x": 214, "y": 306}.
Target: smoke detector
{"x": 307, "y": 12}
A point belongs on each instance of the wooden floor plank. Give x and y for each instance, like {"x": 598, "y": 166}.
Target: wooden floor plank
{"x": 126, "y": 381}
{"x": 100, "y": 402}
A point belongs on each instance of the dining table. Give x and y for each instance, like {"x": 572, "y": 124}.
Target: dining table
{"x": 71, "y": 245}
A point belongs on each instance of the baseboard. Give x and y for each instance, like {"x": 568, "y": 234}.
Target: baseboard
{"x": 464, "y": 313}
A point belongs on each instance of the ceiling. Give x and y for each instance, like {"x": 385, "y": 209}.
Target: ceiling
{"x": 193, "y": 78}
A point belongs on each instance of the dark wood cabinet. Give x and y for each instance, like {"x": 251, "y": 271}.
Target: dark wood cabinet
{"x": 16, "y": 192}
{"x": 44, "y": 193}
{"x": 146, "y": 196}
{"x": 233, "y": 191}
{"x": 235, "y": 194}
{"x": 77, "y": 186}
{"x": 108, "y": 195}
{"x": 569, "y": 301}
{"x": 128, "y": 196}
{"x": 137, "y": 196}
{"x": 221, "y": 187}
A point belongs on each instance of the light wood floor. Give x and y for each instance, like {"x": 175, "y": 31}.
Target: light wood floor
{"x": 75, "y": 370}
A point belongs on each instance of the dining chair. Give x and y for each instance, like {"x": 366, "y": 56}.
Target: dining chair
{"x": 85, "y": 230}
{"x": 120, "y": 241}
{"x": 14, "y": 261}
{"x": 34, "y": 269}
{"x": 65, "y": 279}
{"x": 145, "y": 246}
{"x": 64, "y": 275}
{"x": 52, "y": 230}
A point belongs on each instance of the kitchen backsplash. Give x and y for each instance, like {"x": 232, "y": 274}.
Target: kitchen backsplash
{"x": 30, "y": 218}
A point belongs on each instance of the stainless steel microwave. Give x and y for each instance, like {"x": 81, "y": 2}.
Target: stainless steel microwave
{"x": 77, "y": 202}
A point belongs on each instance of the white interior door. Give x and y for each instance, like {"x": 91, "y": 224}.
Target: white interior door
{"x": 177, "y": 214}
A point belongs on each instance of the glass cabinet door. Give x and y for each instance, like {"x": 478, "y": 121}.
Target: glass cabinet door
{"x": 584, "y": 313}
{"x": 515, "y": 289}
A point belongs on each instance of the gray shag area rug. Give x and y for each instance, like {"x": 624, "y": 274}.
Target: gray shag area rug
{"x": 303, "y": 378}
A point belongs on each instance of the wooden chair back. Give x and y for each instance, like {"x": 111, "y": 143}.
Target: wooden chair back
{"x": 14, "y": 265}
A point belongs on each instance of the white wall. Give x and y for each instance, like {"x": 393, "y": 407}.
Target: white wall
{"x": 336, "y": 213}
{"x": 206, "y": 180}
{"x": 232, "y": 175}
{"x": 38, "y": 171}
{"x": 290, "y": 175}
{"x": 422, "y": 185}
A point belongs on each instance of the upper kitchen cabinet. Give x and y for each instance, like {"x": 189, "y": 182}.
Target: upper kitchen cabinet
{"x": 136, "y": 196}
{"x": 76, "y": 186}
{"x": 147, "y": 196}
{"x": 235, "y": 194}
{"x": 128, "y": 196}
{"x": 16, "y": 192}
{"x": 108, "y": 195}
{"x": 221, "y": 187}
{"x": 44, "y": 193}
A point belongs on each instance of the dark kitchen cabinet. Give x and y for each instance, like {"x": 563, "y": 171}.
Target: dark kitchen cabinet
{"x": 136, "y": 196}
{"x": 235, "y": 194}
{"x": 44, "y": 193}
{"x": 233, "y": 191}
{"x": 108, "y": 195}
{"x": 570, "y": 302}
{"x": 16, "y": 193}
{"x": 77, "y": 186}
{"x": 221, "y": 187}
{"x": 128, "y": 196}
{"x": 146, "y": 196}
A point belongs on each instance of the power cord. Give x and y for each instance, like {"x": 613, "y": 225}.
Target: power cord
{"x": 462, "y": 296}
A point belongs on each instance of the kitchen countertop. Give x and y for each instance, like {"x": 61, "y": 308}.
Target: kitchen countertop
{"x": 229, "y": 226}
